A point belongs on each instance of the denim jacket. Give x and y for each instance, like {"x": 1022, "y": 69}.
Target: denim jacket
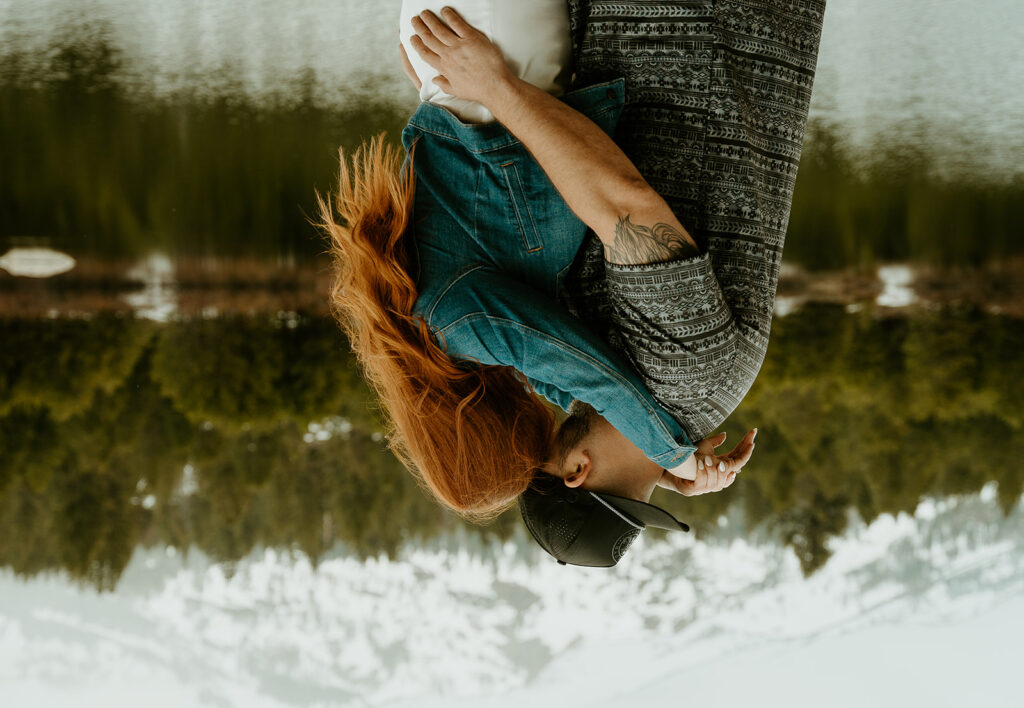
{"x": 493, "y": 244}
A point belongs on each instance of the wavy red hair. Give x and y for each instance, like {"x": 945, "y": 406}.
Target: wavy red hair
{"x": 473, "y": 435}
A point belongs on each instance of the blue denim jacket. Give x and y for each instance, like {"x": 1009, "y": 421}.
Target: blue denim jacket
{"x": 493, "y": 244}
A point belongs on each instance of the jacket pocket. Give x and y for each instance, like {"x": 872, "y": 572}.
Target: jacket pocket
{"x": 521, "y": 208}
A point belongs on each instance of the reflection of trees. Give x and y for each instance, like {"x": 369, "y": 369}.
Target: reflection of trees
{"x": 100, "y": 417}
{"x": 890, "y": 204}
{"x": 238, "y": 370}
{"x": 61, "y": 368}
{"x": 103, "y": 169}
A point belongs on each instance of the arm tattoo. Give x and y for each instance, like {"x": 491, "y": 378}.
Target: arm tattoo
{"x": 635, "y": 243}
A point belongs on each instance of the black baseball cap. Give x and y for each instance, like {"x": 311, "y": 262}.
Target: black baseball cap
{"x": 580, "y": 527}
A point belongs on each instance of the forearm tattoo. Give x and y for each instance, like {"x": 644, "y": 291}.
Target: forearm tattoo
{"x": 635, "y": 243}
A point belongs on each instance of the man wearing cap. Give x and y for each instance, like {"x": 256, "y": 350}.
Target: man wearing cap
{"x": 584, "y": 518}
{"x": 679, "y": 282}
{"x": 717, "y": 97}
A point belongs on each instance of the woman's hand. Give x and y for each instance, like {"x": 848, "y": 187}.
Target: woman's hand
{"x": 714, "y": 472}
{"x": 407, "y": 68}
{"x": 470, "y": 65}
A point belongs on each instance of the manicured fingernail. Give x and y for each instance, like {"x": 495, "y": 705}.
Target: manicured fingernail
{"x": 700, "y": 464}
{"x": 709, "y": 462}
{"x": 721, "y": 467}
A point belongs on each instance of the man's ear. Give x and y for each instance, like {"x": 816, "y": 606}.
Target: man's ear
{"x": 575, "y": 479}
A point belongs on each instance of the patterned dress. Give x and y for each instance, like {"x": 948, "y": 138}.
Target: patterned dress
{"x": 717, "y": 94}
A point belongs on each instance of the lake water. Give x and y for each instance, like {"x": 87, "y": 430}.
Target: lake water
{"x": 201, "y": 128}
{"x": 933, "y": 71}
{"x": 196, "y": 504}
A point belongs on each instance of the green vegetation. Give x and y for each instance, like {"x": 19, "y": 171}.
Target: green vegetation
{"x": 100, "y": 417}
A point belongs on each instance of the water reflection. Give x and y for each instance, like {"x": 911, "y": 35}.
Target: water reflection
{"x": 884, "y": 70}
{"x": 235, "y": 433}
{"x": 178, "y": 420}
{"x": 94, "y": 170}
{"x": 95, "y": 167}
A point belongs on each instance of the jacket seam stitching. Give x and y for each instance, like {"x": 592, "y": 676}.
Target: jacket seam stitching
{"x": 515, "y": 206}
{"x": 458, "y": 276}
{"x": 526, "y": 207}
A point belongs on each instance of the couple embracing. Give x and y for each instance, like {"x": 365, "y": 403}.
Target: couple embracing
{"x": 590, "y": 206}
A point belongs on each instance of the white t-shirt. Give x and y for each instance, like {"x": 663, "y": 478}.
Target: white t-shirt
{"x": 533, "y": 35}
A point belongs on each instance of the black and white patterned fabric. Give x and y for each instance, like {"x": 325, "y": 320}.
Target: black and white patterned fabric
{"x": 717, "y": 94}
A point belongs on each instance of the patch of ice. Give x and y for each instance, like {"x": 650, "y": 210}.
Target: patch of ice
{"x": 896, "y": 291}
{"x": 189, "y": 484}
{"x": 36, "y": 262}
{"x": 157, "y": 300}
{"x": 787, "y": 305}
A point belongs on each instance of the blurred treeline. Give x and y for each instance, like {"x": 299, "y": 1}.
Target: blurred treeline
{"x": 100, "y": 417}
{"x": 95, "y": 168}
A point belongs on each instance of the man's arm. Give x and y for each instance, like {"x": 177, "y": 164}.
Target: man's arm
{"x": 595, "y": 178}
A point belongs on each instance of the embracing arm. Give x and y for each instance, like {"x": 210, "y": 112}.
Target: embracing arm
{"x": 593, "y": 175}
{"x": 595, "y": 178}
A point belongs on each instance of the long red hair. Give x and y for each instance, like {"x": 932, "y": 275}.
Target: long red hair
{"x": 474, "y": 436}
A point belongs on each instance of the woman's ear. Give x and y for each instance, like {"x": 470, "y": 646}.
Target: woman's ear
{"x": 577, "y": 477}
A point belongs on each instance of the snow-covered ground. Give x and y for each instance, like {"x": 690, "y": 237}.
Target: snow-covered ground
{"x": 914, "y": 610}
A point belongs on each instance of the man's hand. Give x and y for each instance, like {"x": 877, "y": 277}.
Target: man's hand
{"x": 714, "y": 472}
{"x": 470, "y": 65}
